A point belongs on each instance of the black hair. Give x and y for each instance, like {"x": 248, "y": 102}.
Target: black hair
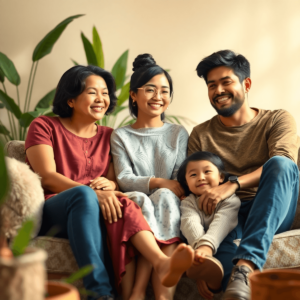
{"x": 145, "y": 68}
{"x": 72, "y": 84}
{"x": 201, "y": 155}
{"x": 236, "y": 62}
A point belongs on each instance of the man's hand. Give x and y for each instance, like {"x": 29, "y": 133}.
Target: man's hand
{"x": 209, "y": 200}
{"x": 102, "y": 183}
{"x": 110, "y": 204}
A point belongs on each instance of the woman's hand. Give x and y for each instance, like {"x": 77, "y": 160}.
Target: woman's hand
{"x": 110, "y": 204}
{"x": 172, "y": 185}
{"x": 102, "y": 183}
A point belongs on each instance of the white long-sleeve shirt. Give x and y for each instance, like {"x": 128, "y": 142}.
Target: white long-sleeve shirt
{"x": 201, "y": 229}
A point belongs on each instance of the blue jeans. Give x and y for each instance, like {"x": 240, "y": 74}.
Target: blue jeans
{"x": 272, "y": 211}
{"x": 77, "y": 214}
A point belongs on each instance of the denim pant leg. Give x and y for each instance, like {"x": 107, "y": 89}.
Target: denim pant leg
{"x": 273, "y": 209}
{"x": 228, "y": 248}
{"x": 77, "y": 214}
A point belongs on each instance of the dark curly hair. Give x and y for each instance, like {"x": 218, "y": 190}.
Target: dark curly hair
{"x": 236, "y": 62}
{"x": 201, "y": 155}
{"x": 145, "y": 68}
{"x": 72, "y": 84}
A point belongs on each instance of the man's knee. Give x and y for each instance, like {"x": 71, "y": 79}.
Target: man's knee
{"x": 281, "y": 165}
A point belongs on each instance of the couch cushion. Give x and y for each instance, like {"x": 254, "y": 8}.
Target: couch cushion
{"x": 60, "y": 256}
{"x": 284, "y": 250}
{"x": 16, "y": 149}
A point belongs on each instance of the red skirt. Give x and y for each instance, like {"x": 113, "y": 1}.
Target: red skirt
{"x": 119, "y": 233}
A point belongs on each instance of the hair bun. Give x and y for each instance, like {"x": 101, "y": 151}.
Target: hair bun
{"x": 143, "y": 60}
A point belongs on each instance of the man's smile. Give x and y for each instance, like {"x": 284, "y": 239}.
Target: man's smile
{"x": 222, "y": 99}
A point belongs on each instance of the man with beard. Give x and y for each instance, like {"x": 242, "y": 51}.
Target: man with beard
{"x": 259, "y": 149}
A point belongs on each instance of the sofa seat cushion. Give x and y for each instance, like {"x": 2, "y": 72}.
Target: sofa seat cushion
{"x": 60, "y": 255}
{"x": 284, "y": 251}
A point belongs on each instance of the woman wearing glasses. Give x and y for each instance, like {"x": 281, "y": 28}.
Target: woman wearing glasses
{"x": 146, "y": 157}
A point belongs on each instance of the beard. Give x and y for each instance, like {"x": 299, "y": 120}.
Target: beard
{"x": 237, "y": 103}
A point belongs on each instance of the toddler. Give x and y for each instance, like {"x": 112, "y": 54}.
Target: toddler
{"x": 200, "y": 172}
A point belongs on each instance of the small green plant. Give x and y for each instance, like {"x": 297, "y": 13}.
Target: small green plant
{"x": 95, "y": 56}
{"x": 8, "y": 70}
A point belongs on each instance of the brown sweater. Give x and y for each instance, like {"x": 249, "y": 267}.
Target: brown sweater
{"x": 243, "y": 149}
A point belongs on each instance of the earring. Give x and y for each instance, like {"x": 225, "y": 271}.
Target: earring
{"x": 133, "y": 103}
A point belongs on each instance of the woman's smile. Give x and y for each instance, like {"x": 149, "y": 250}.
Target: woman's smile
{"x": 155, "y": 105}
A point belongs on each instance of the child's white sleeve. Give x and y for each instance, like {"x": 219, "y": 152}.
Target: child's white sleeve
{"x": 224, "y": 221}
{"x": 191, "y": 223}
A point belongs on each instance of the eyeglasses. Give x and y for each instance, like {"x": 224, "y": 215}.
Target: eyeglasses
{"x": 151, "y": 91}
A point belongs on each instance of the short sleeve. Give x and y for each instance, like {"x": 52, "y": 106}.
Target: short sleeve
{"x": 282, "y": 138}
{"x": 40, "y": 132}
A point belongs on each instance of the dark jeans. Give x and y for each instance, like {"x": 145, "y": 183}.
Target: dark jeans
{"x": 272, "y": 211}
{"x": 77, "y": 214}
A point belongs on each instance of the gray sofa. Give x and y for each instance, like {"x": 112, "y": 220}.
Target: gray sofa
{"x": 284, "y": 251}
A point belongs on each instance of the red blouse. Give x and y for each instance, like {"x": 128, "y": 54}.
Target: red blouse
{"x": 80, "y": 159}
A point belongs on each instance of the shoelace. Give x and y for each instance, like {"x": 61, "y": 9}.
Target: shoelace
{"x": 236, "y": 275}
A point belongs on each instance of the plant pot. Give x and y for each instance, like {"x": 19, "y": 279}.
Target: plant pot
{"x": 277, "y": 284}
{"x": 61, "y": 291}
{"x": 23, "y": 277}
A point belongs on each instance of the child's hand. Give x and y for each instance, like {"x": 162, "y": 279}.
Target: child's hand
{"x": 102, "y": 183}
{"x": 200, "y": 254}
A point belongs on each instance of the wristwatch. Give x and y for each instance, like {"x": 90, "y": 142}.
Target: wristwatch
{"x": 235, "y": 179}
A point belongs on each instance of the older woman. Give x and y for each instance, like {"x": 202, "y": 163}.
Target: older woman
{"x": 71, "y": 153}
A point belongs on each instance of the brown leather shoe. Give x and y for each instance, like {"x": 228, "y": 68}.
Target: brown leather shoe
{"x": 238, "y": 286}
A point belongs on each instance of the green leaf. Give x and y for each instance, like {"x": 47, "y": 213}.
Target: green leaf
{"x": 126, "y": 122}
{"x": 124, "y": 95}
{"x": 9, "y": 70}
{"x": 10, "y": 104}
{"x": 22, "y": 239}
{"x": 3, "y": 175}
{"x": 119, "y": 70}
{"x": 45, "y": 46}
{"x": 97, "y": 46}
{"x": 50, "y": 114}
{"x": 89, "y": 51}
{"x": 2, "y": 76}
{"x": 27, "y": 118}
{"x": 118, "y": 109}
{"x": 3, "y": 130}
{"x": 82, "y": 272}
{"x": 74, "y": 62}
{"x": 44, "y": 111}
{"x": 1, "y": 105}
{"x": 47, "y": 100}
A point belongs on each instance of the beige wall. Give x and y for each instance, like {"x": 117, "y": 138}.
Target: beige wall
{"x": 178, "y": 33}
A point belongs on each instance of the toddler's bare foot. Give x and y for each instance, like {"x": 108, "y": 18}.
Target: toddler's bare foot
{"x": 200, "y": 254}
{"x": 176, "y": 265}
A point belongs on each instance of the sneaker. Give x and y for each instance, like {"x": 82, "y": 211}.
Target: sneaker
{"x": 238, "y": 286}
